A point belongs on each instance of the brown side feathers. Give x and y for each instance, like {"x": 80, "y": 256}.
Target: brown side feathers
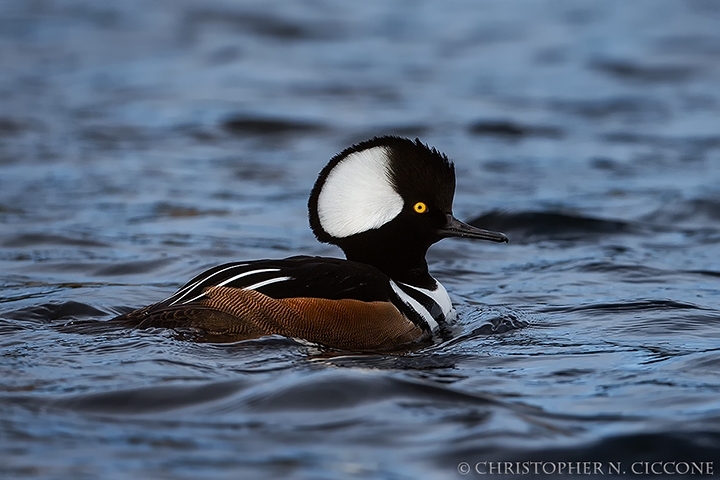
{"x": 349, "y": 324}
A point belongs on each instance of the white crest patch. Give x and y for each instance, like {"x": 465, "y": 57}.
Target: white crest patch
{"x": 357, "y": 195}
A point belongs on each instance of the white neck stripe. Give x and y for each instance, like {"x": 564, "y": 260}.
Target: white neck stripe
{"x": 439, "y": 296}
{"x": 415, "y": 305}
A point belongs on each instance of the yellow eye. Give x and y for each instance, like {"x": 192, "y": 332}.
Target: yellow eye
{"x": 420, "y": 207}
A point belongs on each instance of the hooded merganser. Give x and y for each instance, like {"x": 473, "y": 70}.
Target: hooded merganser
{"x": 384, "y": 202}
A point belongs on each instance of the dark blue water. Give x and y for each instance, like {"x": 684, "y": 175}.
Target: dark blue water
{"x": 141, "y": 142}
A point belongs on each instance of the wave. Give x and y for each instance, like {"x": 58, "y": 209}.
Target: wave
{"x": 623, "y": 451}
{"x": 693, "y": 212}
{"x": 243, "y": 125}
{"x": 551, "y": 225}
{"x": 638, "y": 305}
{"x": 512, "y": 130}
{"x": 49, "y": 312}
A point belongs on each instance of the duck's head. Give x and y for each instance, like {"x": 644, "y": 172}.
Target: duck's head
{"x": 385, "y": 201}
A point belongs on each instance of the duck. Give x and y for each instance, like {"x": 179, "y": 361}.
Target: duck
{"x": 383, "y": 202}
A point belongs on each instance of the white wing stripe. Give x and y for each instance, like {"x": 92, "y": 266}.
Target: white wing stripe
{"x": 189, "y": 288}
{"x": 266, "y": 282}
{"x": 244, "y": 274}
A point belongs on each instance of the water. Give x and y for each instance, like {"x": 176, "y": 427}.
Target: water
{"x": 141, "y": 142}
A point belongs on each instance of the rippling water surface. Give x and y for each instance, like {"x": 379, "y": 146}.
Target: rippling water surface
{"x": 141, "y": 142}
